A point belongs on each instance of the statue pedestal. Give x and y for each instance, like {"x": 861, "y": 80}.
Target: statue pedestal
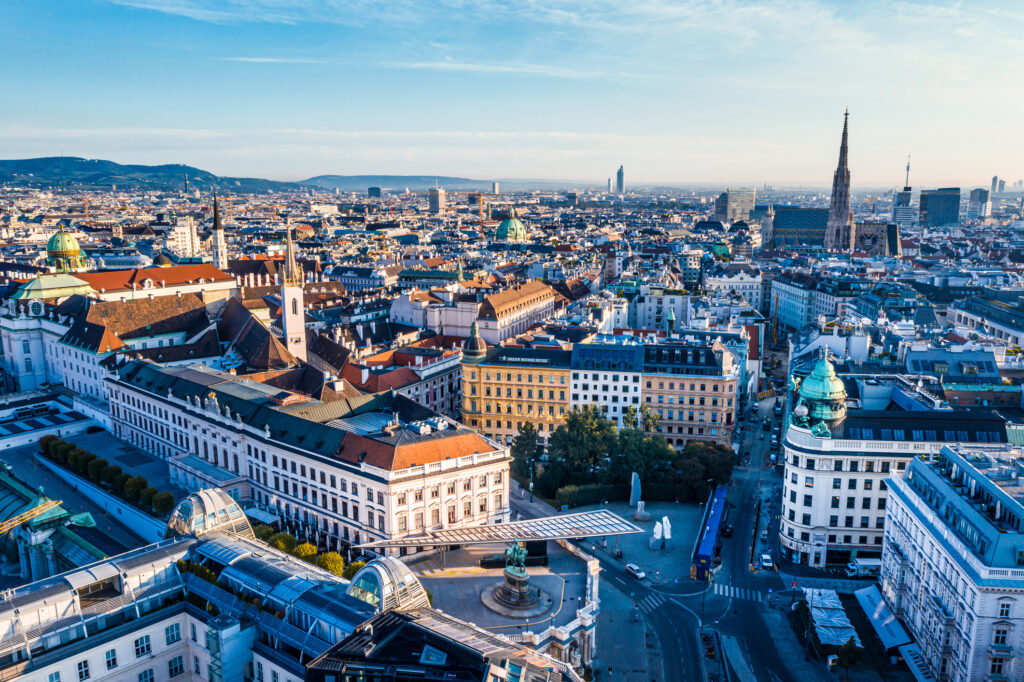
{"x": 516, "y": 598}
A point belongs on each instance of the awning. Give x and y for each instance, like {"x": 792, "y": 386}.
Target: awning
{"x": 260, "y": 515}
{"x": 916, "y": 662}
{"x": 882, "y": 618}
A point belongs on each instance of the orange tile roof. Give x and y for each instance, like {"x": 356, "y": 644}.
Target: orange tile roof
{"x": 122, "y": 280}
{"x": 384, "y": 455}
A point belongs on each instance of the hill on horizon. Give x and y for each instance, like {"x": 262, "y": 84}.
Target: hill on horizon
{"x": 360, "y": 183}
{"x": 77, "y": 172}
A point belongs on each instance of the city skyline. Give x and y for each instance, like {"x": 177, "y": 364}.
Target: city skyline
{"x": 738, "y": 93}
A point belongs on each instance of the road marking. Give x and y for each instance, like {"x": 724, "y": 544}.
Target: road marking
{"x": 734, "y": 592}
{"x": 651, "y": 602}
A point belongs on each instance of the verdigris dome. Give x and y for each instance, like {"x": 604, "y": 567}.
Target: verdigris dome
{"x": 206, "y": 511}
{"x": 64, "y": 252}
{"x": 823, "y": 393}
{"x": 511, "y": 229}
{"x": 386, "y": 583}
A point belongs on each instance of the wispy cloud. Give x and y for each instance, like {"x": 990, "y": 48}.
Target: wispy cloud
{"x": 525, "y": 69}
{"x": 274, "y": 60}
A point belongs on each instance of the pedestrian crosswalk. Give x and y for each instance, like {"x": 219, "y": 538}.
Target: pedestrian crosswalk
{"x": 651, "y": 602}
{"x": 737, "y": 592}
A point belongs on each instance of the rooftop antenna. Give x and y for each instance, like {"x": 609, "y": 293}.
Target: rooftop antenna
{"x": 907, "y": 182}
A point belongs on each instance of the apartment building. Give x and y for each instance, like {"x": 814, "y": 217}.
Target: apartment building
{"x": 506, "y": 387}
{"x": 691, "y": 384}
{"x": 741, "y": 278}
{"x": 953, "y": 560}
{"x": 515, "y": 310}
{"x": 839, "y": 451}
{"x": 608, "y": 373}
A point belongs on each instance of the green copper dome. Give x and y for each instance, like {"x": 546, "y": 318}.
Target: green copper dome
{"x": 64, "y": 252}
{"x": 823, "y": 392}
{"x": 511, "y": 229}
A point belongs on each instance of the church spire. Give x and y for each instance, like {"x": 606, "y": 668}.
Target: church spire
{"x": 840, "y": 231}
{"x": 292, "y": 273}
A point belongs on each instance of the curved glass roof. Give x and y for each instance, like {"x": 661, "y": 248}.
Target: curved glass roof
{"x": 206, "y": 511}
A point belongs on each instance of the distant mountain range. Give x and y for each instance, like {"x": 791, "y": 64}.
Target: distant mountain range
{"x": 76, "y": 172}
{"x": 359, "y": 183}
{"x": 72, "y": 171}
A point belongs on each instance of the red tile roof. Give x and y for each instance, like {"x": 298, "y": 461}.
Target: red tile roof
{"x": 122, "y": 280}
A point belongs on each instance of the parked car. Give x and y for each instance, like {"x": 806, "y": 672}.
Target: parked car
{"x": 493, "y": 561}
{"x": 766, "y": 561}
{"x": 727, "y": 530}
{"x": 635, "y": 571}
{"x": 755, "y": 407}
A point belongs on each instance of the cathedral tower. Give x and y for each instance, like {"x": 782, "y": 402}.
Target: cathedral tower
{"x": 840, "y": 231}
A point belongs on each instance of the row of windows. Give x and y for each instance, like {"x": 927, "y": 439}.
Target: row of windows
{"x": 853, "y": 465}
{"x": 143, "y": 647}
{"x": 519, "y": 377}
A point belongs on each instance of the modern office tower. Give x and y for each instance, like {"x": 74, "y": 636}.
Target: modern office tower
{"x": 995, "y": 183}
{"x": 839, "y": 233}
{"x": 902, "y": 211}
{"x": 940, "y": 206}
{"x": 735, "y": 204}
{"x": 620, "y": 181}
{"x": 495, "y": 188}
{"x": 609, "y": 185}
{"x": 373, "y": 192}
{"x": 979, "y": 205}
{"x": 1002, "y": 186}
{"x": 436, "y": 200}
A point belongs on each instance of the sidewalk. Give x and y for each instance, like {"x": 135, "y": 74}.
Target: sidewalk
{"x": 621, "y": 639}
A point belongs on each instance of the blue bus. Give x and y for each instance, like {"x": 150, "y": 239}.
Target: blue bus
{"x": 707, "y": 540}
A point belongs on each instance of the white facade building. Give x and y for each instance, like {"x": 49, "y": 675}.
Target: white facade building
{"x": 361, "y": 470}
{"x": 953, "y": 561}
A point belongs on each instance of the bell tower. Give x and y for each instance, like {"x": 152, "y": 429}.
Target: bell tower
{"x": 293, "y": 309}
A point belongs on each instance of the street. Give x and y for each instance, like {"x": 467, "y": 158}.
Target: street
{"x": 733, "y": 604}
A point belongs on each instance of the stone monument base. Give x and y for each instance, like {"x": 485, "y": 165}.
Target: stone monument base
{"x": 539, "y": 602}
{"x": 641, "y": 515}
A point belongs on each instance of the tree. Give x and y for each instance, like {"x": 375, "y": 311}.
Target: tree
{"x": 849, "y": 655}
{"x": 44, "y": 443}
{"x": 109, "y": 473}
{"x": 650, "y": 456}
{"x": 524, "y": 449}
{"x": 62, "y": 451}
{"x": 54, "y": 446}
{"x": 146, "y": 496}
{"x": 306, "y": 551}
{"x": 643, "y": 419}
{"x": 351, "y": 570}
{"x": 120, "y": 481}
{"x": 134, "y": 487}
{"x": 583, "y": 442}
{"x": 332, "y": 562}
{"x": 163, "y": 502}
{"x": 262, "y": 532}
{"x": 82, "y": 463}
{"x": 283, "y": 541}
{"x": 95, "y": 467}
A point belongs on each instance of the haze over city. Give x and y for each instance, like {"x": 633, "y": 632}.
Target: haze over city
{"x": 699, "y": 93}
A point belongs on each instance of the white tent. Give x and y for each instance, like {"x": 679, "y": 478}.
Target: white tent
{"x": 829, "y": 618}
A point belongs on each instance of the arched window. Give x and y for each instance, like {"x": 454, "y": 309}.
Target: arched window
{"x": 295, "y": 306}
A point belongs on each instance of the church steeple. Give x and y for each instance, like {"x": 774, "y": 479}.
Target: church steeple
{"x": 292, "y": 272}
{"x": 220, "y": 245}
{"x": 293, "y": 310}
{"x": 840, "y": 231}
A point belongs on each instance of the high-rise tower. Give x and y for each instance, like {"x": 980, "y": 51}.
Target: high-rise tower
{"x": 620, "y": 181}
{"x": 840, "y": 231}
{"x": 220, "y": 245}
{"x": 293, "y": 309}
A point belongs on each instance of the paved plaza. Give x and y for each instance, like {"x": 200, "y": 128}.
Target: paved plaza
{"x": 457, "y": 585}
{"x": 669, "y": 565}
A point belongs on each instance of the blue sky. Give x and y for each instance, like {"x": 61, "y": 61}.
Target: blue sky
{"x": 710, "y": 92}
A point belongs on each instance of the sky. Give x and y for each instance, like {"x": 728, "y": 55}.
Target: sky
{"x": 708, "y": 91}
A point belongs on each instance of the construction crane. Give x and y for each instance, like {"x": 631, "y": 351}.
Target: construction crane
{"x": 21, "y": 518}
